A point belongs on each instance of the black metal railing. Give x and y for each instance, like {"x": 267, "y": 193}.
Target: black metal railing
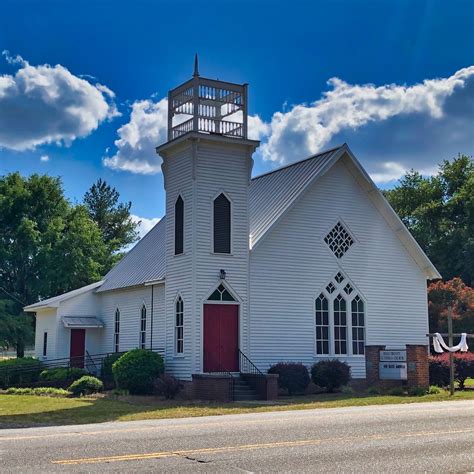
{"x": 20, "y": 376}
{"x": 246, "y": 366}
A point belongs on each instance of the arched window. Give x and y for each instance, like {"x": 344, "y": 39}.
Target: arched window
{"x": 143, "y": 327}
{"x": 340, "y": 325}
{"x": 222, "y": 224}
{"x": 117, "y": 331}
{"x": 221, "y": 293}
{"x": 179, "y": 326}
{"x": 179, "y": 226}
{"x": 322, "y": 325}
{"x": 358, "y": 326}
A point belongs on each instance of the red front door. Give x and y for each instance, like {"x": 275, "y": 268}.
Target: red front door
{"x": 221, "y": 338}
{"x": 78, "y": 347}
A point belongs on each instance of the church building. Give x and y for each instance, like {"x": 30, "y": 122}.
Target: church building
{"x": 303, "y": 263}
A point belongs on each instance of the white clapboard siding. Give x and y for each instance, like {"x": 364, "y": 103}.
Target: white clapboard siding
{"x": 46, "y": 321}
{"x": 293, "y": 264}
{"x": 84, "y": 304}
{"x": 222, "y": 169}
{"x": 179, "y": 268}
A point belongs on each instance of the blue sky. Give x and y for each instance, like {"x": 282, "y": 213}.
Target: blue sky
{"x": 82, "y": 86}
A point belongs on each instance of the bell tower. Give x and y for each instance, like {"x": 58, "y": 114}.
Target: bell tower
{"x": 207, "y": 164}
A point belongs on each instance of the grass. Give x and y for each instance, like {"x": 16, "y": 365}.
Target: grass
{"x": 28, "y": 410}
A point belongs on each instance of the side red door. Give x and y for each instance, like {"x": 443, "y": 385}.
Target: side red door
{"x": 221, "y": 338}
{"x": 78, "y": 347}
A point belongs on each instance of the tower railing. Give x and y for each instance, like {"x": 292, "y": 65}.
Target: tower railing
{"x": 207, "y": 106}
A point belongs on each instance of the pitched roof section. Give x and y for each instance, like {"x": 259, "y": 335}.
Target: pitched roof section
{"x": 145, "y": 262}
{"x": 271, "y": 194}
{"x": 55, "y": 300}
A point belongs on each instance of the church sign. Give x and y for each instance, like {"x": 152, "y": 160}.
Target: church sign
{"x": 393, "y": 365}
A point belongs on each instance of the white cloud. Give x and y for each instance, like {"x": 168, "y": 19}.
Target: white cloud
{"x": 48, "y": 104}
{"x": 146, "y": 129}
{"x": 306, "y": 129}
{"x": 257, "y": 128}
{"x": 44, "y": 158}
{"x": 145, "y": 225}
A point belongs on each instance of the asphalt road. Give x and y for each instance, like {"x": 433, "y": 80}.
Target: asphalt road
{"x": 425, "y": 437}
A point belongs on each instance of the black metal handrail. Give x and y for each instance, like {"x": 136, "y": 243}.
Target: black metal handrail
{"x": 247, "y": 366}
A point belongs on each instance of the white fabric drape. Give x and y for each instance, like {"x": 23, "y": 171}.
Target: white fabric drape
{"x": 439, "y": 344}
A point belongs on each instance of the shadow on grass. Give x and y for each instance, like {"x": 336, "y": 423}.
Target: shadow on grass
{"x": 17, "y": 411}
{"x": 23, "y": 411}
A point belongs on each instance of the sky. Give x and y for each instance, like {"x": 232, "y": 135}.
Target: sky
{"x": 83, "y": 84}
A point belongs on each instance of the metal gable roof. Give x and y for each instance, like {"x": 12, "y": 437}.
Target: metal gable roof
{"x": 270, "y": 196}
{"x": 56, "y": 300}
{"x": 145, "y": 262}
{"x": 272, "y": 193}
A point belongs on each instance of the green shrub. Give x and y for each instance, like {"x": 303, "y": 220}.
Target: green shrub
{"x": 416, "y": 391}
{"x": 396, "y": 391}
{"x": 331, "y": 374}
{"x": 40, "y": 391}
{"x": 292, "y": 376}
{"x": 346, "y": 390}
{"x": 373, "y": 391}
{"x": 434, "y": 390}
{"x": 19, "y": 371}
{"x": 168, "y": 386}
{"x": 106, "y": 372}
{"x": 136, "y": 371}
{"x": 439, "y": 371}
{"x": 464, "y": 367}
{"x": 62, "y": 374}
{"x": 86, "y": 385}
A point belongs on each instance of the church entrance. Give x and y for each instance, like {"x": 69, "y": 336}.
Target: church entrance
{"x": 221, "y": 337}
{"x": 77, "y": 348}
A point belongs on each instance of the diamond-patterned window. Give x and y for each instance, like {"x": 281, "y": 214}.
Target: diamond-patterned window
{"x": 339, "y": 277}
{"x": 348, "y": 289}
{"x": 330, "y": 288}
{"x": 339, "y": 240}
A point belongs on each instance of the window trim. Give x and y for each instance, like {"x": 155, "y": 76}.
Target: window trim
{"x": 322, "y": 340}
{"x": 231, "y": 203}
{"x": 179, "y": 300}
{"x": 183, "y": 225}
{"x": 351, "y": 233}
{"x": 143, "y": 324}
{"x": 45, "y": 344}
{"x": 339, "y": 291}
{"x": 117, "y": 331}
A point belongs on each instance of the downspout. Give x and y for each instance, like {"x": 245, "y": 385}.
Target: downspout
{"x": 151, "y": 325}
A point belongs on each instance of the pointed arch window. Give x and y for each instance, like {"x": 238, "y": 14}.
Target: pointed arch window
{"x": 340, "y": 325}
{"x": 358, "y": 326}
{"x": 143, "y": 327}
{"x": 340, "y": 318}
{"x": 222, "y": 224}
{"x": 221, "y": 293}
{"x": 179, "y": 226}
{"x": 179, "y": 326}
{"x": 117, "y": 331}
{"x": 322, "y": 325}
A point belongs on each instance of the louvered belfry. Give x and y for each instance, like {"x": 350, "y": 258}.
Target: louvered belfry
{"x": 207, "y": 106}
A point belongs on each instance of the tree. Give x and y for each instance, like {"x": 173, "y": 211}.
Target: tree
{"x": 16, "y": 328}
{"x": 113, "y": 218}
{"x": 457, "y": 295}
{"x": 439, "y": 212}
{"x": 47, "y": 246}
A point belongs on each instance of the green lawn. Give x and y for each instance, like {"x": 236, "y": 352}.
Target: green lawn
{"x": 27, "y": 410}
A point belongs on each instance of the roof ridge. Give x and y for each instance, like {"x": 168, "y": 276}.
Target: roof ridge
{"x": 329, "y": 150}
